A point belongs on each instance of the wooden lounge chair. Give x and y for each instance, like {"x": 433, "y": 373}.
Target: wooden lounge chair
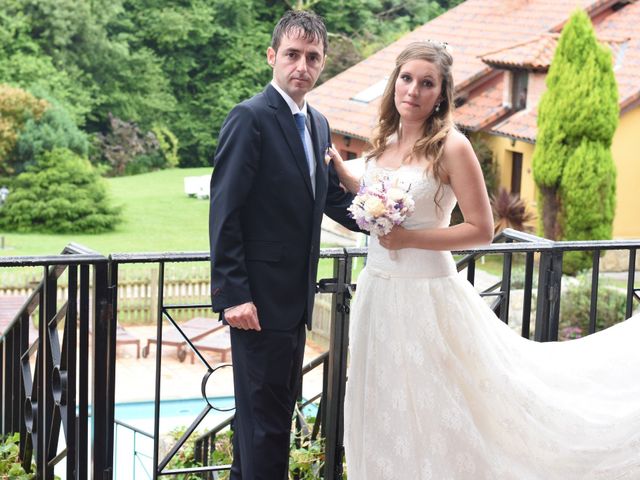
{"x": 219, "y": 342}
{"x": 123, "y": 337}
{"x": 9, "y": 307}
{"x": 194, "y": 330}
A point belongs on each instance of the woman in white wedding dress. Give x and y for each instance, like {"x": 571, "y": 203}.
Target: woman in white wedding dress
{"x": 438, "y": 387}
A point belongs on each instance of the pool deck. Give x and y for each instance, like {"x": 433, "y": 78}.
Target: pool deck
{"x": 135, "y": 377}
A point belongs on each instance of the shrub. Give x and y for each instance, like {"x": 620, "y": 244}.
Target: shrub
{"x": 127, "y": 150}
{"x": 16, "y": 108}
{"x": 577, "y": 118}
{"x": 509, "y": 211}
{"x": 10, "y": 464}
{"x": 60, "y": 193}
{"x": 168, "y": 145}
{"x": 575, "y": 307}
{"x": 487, "y": 164}
{"x": 54, "y": 129}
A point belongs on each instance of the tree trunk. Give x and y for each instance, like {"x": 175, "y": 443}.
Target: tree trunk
{"x": 550, "y": 212}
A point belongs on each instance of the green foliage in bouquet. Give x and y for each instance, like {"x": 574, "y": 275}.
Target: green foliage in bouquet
{"x": 60, "y": 193}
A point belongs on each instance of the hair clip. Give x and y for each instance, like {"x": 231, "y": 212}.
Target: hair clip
{"x": 444, "y": 45}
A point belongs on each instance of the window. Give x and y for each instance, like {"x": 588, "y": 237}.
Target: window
{"x": 516, "y": 172}
{"x": 519, "y": 89}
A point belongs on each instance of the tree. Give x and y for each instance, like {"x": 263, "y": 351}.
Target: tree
{"x": 54, "y": 129}
{"x": 60, "y": 193}
{"x": 17, "y": 107}
{"x": 577, "y": 118}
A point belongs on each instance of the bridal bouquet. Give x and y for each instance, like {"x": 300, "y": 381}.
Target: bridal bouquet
{"x": 378, "y": 207}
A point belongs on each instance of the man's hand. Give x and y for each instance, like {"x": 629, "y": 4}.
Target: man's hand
{"x": 243, "y": 316}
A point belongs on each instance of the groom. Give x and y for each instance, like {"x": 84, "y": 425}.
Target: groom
{"x": 269, "y": 188}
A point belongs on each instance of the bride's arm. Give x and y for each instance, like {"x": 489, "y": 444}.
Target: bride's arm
{"x": 350, "y": 181}
{"x": 467, "y": 182}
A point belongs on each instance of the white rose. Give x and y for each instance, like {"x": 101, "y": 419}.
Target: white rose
{"x": 374, "y": 206}
{"x": 396, "y": 194}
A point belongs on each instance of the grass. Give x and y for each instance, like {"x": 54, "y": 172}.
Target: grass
{"x": 158, "y": 217}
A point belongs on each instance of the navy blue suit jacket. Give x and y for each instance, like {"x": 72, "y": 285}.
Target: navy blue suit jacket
{"x": 264, "y": 223}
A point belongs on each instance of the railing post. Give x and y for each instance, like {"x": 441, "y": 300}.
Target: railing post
{"x": 548, "y": 306}
{"x": 103, "y": 381}
{"x": 337, "y": 369}
{"x": 505, "y": 288}
{"x": 631, "y": 283}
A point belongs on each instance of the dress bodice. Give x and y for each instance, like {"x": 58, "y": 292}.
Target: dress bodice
{"x": 423, "y": 188}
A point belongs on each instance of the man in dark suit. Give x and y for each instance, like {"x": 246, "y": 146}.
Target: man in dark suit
{"x": 269, "y": 189}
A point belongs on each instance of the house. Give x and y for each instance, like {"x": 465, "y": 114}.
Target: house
{"x": 502, "y": 51}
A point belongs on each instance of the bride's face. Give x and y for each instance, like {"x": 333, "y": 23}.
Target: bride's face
{"x": 418, "y": 89}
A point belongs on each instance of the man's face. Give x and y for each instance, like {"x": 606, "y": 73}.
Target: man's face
{"x": 296, "y": 65}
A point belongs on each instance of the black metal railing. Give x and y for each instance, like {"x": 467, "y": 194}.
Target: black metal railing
{"x": 46, "y": 380}
{"x": 40, "y": 410}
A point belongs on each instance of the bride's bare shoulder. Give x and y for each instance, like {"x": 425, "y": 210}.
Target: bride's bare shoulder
{"x": 455, "y": 142}
{"x": 457, "y": 150}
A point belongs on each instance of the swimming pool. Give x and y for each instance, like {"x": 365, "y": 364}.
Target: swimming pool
{"x": 133, "y": 452}
{"x": 173, "y": 413}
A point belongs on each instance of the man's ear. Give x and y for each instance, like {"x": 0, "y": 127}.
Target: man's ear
{"x": 271, "y": 56}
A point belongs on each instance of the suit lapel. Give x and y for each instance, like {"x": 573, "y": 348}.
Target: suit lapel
{"x": 290, "y": 133}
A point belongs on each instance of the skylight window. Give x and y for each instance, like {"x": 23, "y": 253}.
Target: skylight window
{"x": 371, "y": 93}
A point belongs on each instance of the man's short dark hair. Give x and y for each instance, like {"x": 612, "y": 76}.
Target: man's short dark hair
{"x": 308, "y": 23}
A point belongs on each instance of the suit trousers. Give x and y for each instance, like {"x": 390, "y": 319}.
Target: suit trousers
{"x": 267, "y": 368}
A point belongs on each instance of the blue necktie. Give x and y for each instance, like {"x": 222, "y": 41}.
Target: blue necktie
{"x": 300, "y": 123}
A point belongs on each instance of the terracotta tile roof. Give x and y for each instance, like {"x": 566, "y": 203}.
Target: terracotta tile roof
{"x": 471, "y": 29}
{"x": 521, "y": 125}
{"x": 537, "y": 54}
{"x": 619, "y": 30}
{"x": 514, "y": 32}
{"x": 534, "y": 54}
{"x": 483, "y": 107}
{"x": 625, "y": 24}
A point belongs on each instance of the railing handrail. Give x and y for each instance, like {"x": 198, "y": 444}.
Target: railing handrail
{"x": 50, "y": 260}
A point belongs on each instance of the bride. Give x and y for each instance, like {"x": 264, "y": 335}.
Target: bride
{"x": 438, "y": 387}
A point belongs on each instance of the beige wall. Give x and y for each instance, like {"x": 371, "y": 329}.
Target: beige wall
{"x": 626, "y": 154}
{"x": 503, "y": 148}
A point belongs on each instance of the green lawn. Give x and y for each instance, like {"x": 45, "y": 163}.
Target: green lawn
{"x": 158, "y": 217}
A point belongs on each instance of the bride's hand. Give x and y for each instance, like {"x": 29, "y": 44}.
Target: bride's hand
{"x": 347, "y": 179}
{"x": 332, "y": 154}
{"x": 396, "y": 239}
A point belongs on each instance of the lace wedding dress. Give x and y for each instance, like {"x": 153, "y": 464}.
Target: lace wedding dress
{"x": 439, "y": 388}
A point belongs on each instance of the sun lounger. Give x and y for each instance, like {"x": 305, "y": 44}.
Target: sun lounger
{"x": 218, "y": 342}
{"x": 123, "y": 337}
{"x": 194, "y": 330}
{"x": 9, "y": 307}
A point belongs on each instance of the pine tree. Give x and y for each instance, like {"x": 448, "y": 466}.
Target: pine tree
{"x": 577, "y": 118}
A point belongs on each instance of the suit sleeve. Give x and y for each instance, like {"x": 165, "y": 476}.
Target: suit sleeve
{"x": 235, "y": 167}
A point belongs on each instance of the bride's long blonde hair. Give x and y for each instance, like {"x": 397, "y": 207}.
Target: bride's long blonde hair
{"x": 438, "y": 123}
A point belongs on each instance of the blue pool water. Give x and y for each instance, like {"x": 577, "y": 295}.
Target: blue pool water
{"x": 134, "y": 452}
{"x": 173, "y": 413}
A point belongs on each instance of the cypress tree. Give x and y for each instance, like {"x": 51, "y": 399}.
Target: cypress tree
{"x": 577, "y": 118}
